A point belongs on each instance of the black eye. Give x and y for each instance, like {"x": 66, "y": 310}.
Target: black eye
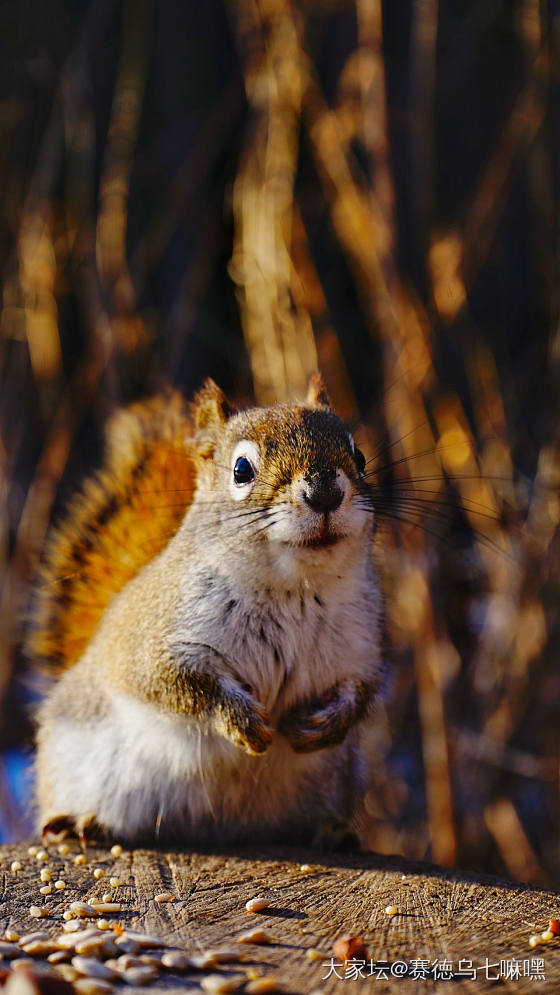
{"x": 243, "y": 472}
{"x": 359, "y": 460}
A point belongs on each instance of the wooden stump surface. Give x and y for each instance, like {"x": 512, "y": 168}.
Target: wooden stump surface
{"x": 446, "y": 918}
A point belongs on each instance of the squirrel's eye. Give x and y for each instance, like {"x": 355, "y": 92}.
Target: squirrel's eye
{"x": 359, "y": 460}
{"x": 243, "y": 472}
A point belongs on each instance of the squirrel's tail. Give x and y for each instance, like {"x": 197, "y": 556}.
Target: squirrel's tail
{"x": 122, "y": 518}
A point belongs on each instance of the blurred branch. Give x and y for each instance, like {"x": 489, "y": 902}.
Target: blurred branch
{"x": 488, "y": 202}
{"x": 115, "y": 180}
{"x": 276, "y": 325}
{"x": 511, "y": 839}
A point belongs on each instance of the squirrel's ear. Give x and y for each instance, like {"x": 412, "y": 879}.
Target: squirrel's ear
{"x": 211, "y": 409}
{"x": 317, "y": 396}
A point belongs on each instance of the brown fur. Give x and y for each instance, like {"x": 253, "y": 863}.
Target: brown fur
{"x": 124, "y": 516}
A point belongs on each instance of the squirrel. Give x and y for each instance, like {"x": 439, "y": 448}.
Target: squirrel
{"x": 212, "y": 611}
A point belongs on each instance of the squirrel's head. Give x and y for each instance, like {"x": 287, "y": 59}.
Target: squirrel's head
{"x": 288, "y": 475}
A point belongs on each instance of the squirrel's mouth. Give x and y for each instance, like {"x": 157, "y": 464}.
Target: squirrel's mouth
{"x": 321, "y": 540}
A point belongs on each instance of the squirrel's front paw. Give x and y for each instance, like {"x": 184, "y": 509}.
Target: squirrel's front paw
{"x": 245, "y": 722}
{"x": 325, "y": 720}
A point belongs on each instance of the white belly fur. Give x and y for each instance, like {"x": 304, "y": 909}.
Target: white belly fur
{"x": 146, "y": 774}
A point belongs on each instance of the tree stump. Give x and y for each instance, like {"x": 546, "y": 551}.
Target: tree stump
{"x": 452, "y": 931}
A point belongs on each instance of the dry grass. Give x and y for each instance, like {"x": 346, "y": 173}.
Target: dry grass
{"x": 465, "y": 749}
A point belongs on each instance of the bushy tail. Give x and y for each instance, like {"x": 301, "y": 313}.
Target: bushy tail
{"x": 122, "y": 518}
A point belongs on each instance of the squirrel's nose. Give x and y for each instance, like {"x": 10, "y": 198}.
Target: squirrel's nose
{"x": 322, "y": 493}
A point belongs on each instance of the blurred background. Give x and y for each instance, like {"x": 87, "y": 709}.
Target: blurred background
{"x": 251, "y": 189}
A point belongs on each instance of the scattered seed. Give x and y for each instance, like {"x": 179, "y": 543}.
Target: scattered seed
{"x": 39, "y": 948}
{"x": 350, "y": 947}
{"x": 11, "y": 935}
{"x": 313, "y": 954}
{"x": 68, "y": 915}
{"x": 69, "y": 941}
{"x": 8, "y": 949}
{"x": 201, "y": 962}
{"x": 83, "y": 910}
{"x": 80, "y": 859}
{"x": 60, "y": 885}
{"x": 15, "y": 866}
{"x": 92, "y": 968}
{"x": 262, "y": 985}
{"x": 72, "y": 926}
{"x": 391, "y": 910}
{"x": 116, "y": 850}
{"x": 99, "y": 872}
{"x": 63, "y": 848}
{"x": 153, "y": 960}
{"x": 22, "y": 964}
{"x": 115, "y": 882}
{"x": 46, "y": 889}
{"x": 126, "y": 945}
{"x": 139, "y": 975}
{"x": 104, "y": 924}
{"x": 92, "y": 944}
{"x": 547, "y": 936}
{"x": 212, "y": 958}
{"x": 175, "y": 960}
{"x": 535, "y": 940}
{"x": 41, "y": 855}
{"x": 109, "y": 949}
{"x": 257, "y": 904}
{"x": 164, "y": 896}
{"x": 31, "y": 937}
{"x": 33, "y": 851}
{"x": 106, "y": 897}
{"x": 92, "y": 986}
{"x": 224, "y": 956}
{"x": 39, "y": 911}
{"x": 306, "y": 868}
{"x": 126, "y": 961}
{"x": 255, "y": 936}
{"x": 144, "y": 939}
{"x": 217, "y": 984}
{"x": 45, "y": 874}
{"x": 107, "y": 907}
{"x": 68, "y": 972}
{"x": 59, "y": 956}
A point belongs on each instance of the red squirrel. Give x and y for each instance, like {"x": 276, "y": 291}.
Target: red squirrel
{"x": 213, "y": 608}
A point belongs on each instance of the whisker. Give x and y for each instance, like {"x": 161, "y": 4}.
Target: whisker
{"x": 466, "y": 504}
{"x": 405, "y": 459}
{"x": 396, "y": 441}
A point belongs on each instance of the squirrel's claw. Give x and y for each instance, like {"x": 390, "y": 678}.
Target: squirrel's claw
{"x": 58, "y": 828}
{"x": 324, "y": 721}
{"x": 83, "y": 827}
{"x": 253, "y": 741}
{"x": 319, "y": 722}
{"x": 245, "y": 722}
